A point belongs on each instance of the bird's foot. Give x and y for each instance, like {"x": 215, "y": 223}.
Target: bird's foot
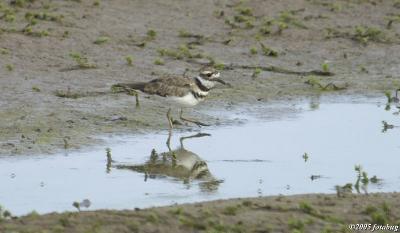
{"x": 198, "y": 123}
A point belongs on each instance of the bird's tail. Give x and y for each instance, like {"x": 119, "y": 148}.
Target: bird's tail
{"x": 126, "y": 87}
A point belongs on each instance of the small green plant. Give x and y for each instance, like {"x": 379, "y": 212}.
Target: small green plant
{"x": 4, "y": 51}
{"x": 253, "y": 50}
{"x": 66, "y": 94}
{"x": 151, "y": 34}
{"x": 129, "y": 60}
{"x": 9, "y": 17}
{"x": 288, "y": 17}
{"x": 28, "y": 30}
{"x": 296, "y": 225}
{"x": 36, "y": 89}
{"x": 185, "y": 34}
{"x": 230, "y": 210}
{"x": 153, "y": 218}
{"x": 314, "y": 82}
{"x": 9, "y": 67}
{"x": 65, "y": 34}
{"x": 388, "y": 95}
{"x": 219, "y": 66}
{"x": 159, "y": 62}
{"x": 245, "y": 11}
{"x": 268, "y": 51}
{"x": 81, "y": 61}
{"x": 325, "y": 67}
{"x": 96, "y": 3}
{"x": 364, "y": 34}
{"x": 256, "y": 72}
{"x": 306, "y": 207}
{"x": 101, "y": 40}
{"x": 183, "y": 51}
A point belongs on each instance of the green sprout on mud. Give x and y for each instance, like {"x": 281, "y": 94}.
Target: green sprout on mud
{"x": 230, "y": 23}
{"x": 159, "y": 62}
{"x": 267, "y": 51}
{"x": 4, "y": 51}
{"x": 363, "y": 69}
{"x": 30, "y": 32}
{"x": 364, "y": 34}
{"x": 183, "y": 51}
{"x": 185, "y": 34}
{"x": 336, "y": 7}
{"x": 296, "y": 225}
{"x": 32, "y": 17}
{"x": 265, "y": 30}
{"x": 151, "y": 34}
{"x": 9, "y": 67}
{"x": 96, "y": 3}
{"x": 36, "y": 89}
{"x": 325, "y": 67}
{"x": 253, "y": 50}
{"x": 65, "y": 34}
{"x": 388, "y": 95}
{"x": 219, "y": 66}
{"x": 392, "y": 99}
{"x": 287, "y": 17}
{"x": 67, "y": 94}
{"x": 231, "y": 210}
{"x": 101, "y": 40}
{"x": 129, "y": 60}
{"x": 306, "y": 207}
{"x": 245, "y": 11}
{"x": 256, "y": 72}
{"x": 21, "y": 3}
{"x": 81, "y": 61}
{"x": 314, "y": 82}
{"x": 380, "y": 215}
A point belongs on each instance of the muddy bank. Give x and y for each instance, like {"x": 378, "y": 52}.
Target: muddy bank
{"x": 305, "y": 213}
{"x": 59, "y": 59}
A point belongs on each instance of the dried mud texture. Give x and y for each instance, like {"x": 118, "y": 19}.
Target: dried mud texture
{"x": 58, "y": 60}
{"x": 304, "y": 213}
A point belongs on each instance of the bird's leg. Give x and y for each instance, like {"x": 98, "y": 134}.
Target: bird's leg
{"x": 198, "y": 123}
{"x": 169, "y": 141}
{"x": 171, "y": 126}
{"x": 136, "y": 94}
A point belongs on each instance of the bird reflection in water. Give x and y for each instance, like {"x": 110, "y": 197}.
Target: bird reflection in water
{"x": 180, "y": 164}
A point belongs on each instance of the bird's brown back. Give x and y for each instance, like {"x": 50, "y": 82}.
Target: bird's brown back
{"x": 169, "y": 86}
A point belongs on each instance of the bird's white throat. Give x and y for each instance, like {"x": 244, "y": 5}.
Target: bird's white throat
{"x": 206, "y": 83}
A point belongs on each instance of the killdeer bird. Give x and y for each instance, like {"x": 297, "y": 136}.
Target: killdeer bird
{"x": 180, "y": 90}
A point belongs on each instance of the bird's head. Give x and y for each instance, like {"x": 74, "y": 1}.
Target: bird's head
{"x": 211, "y": 74}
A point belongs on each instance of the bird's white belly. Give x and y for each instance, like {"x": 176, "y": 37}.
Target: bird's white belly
{"x": 185, "y": 101}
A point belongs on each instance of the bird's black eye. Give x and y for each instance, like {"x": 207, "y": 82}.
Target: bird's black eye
{"x": 209, "y": 74}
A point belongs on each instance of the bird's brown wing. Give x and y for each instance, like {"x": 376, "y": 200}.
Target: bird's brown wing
{"x": 169, "y": 86}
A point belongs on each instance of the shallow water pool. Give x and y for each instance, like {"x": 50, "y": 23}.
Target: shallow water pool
{"x": 259, "y": 157}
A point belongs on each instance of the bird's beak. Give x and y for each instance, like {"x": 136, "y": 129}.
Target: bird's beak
{"x": 219, "y": 80}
